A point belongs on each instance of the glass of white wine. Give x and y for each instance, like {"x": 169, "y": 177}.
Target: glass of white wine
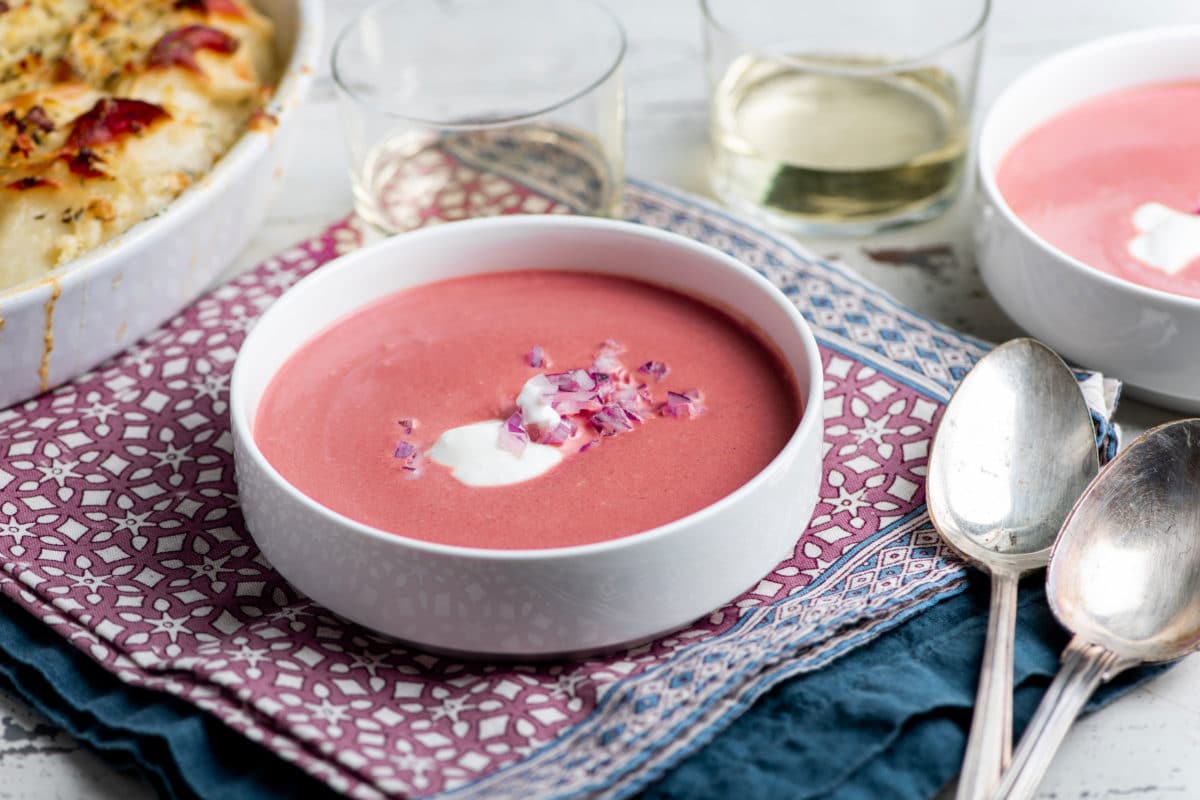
{"x": 454, "y": 109}
{"x": 841, "y": 118}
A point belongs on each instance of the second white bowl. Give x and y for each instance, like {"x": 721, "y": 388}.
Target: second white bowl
{"x": 1143, "y": 336}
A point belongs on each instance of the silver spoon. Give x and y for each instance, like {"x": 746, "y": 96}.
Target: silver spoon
{"x": 1125, "y": 579}
{"x": 1014, "y": 450}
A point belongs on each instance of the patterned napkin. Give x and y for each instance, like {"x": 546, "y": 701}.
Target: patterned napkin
{"x": 120, "y": 529}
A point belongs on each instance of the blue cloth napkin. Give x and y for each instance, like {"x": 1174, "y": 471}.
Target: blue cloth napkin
{"x": 887, "y": 720}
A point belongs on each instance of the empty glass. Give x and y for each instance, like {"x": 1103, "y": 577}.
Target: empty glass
{"x": 464, "y": 108}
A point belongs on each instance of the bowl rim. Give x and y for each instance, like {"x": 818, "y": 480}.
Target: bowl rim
{"x": 988, "y": 166}
{"x": 294, "y": 77}
{"x": 811, "y": 395}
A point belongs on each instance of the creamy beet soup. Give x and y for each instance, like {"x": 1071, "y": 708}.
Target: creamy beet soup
{"x": 1115, "y": 182}
{"x": 527, "y": 410}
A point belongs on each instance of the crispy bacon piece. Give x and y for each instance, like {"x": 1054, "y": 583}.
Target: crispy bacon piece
{"x": 178, "y": 48}
{"x": 30, "y": 182}
{"x": 225, "y": 7}
{"x": 111, "y": 119}
{"x": 83, "y": 163}
{"x": 4, "y": 7}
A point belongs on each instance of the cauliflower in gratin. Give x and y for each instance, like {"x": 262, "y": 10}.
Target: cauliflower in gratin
{"x": 111, "y": 108}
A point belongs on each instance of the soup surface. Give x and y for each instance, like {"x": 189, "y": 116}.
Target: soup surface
{"x": 1115, "y": 182}
{"x": 687, "y": 405}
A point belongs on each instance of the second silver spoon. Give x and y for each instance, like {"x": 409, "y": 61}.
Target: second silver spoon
{"x": 1124, "y": 579}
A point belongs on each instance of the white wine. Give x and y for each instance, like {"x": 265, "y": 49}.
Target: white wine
{"x": 469, "y": 173}
{"x": 824, "y": 146}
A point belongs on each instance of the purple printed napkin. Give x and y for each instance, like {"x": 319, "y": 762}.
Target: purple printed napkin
{"x": 120, "y": 529}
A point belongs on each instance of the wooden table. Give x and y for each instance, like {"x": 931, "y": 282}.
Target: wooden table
{"x": 1146, "y": 744}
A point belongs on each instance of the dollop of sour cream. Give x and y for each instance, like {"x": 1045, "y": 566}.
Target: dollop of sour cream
{"x": 475, "y": 457}
{"x": 1167, "y": 240}
{"x": 535, "y": 408}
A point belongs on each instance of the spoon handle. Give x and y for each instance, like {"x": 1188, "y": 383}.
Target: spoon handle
{"x": 1084, "y": 667}
{"x": 990, "y": 744}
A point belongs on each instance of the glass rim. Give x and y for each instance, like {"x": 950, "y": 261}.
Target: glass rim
{"x": 888, "y": 67}
{"x": 499, "y": 122}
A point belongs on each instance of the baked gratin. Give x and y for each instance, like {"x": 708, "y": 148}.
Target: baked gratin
{"x": 110, "y": 108}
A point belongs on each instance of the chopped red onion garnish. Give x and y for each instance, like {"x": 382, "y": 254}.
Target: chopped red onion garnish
{"x": 513, "y": 436}
{"x": 633, "y": 414}
{"x": 410, "y": 458}
{"x": 611, "y": 420}
{"x": 605, "y": 395}
{"x": 626, "y": 395}
{"x": 408, "y": 424}
{"x": 656, "y": 369}
{"x": 606, "y": 360}
{"x": 683, "y": 404}
{"x": 576, "y": 380}
{"x": 561, "y": 432}
{"x": 627, "y": 398}
{"x": 606, "y": 363}
{"x": 575, "y": 402}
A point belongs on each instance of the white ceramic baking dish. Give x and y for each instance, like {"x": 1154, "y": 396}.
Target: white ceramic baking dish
{"x": 72, "y": 318}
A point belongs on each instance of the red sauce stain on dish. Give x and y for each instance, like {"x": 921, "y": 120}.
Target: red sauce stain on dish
{"x": 1115, "y": 182}
{"x": 697, "y": 407}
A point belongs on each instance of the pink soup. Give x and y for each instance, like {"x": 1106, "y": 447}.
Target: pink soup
{"x": 1115, "y": 182}
{"x": 668, "y": 405}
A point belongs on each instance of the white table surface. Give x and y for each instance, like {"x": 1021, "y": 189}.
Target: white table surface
{"x": 1145, "y": 744}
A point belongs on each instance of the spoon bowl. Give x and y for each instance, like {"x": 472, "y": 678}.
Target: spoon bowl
{"x": 1124, "y": 577}
{"x": 1014, "y": 449}
{"x": 1125, "y": 570}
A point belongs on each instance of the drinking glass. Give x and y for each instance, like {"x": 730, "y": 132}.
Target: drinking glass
{"x": 842, "y": 117}
{"x": 465, "y": 108}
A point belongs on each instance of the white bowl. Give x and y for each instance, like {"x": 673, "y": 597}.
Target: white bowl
{"x": 1146, "y": 337}
{"x": 74, "y": 317}
{"x": 528, "y": 602}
